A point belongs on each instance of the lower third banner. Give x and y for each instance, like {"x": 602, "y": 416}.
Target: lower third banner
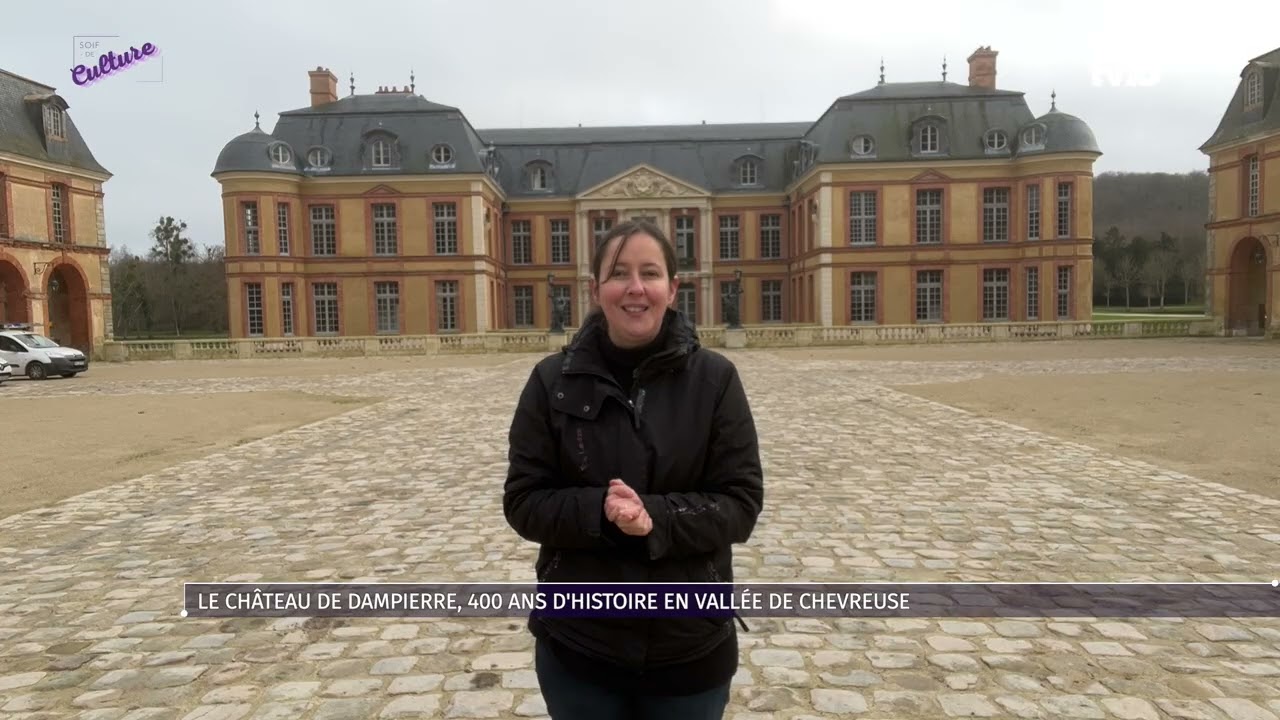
{"x": 459, "y": 600}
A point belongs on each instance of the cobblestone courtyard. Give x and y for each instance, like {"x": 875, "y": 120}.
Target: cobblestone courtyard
{"x": 863, "y": 482}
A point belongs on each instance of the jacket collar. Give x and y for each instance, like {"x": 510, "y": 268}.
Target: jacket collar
{"x": 582, "y": 354}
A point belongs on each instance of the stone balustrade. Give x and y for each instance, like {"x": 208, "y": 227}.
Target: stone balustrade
{"x": 757, "y": 336}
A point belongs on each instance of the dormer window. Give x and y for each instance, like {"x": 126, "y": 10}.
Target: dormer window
{"x": 442, "y": 156}
{"x": 996, "y": 140}
{"x": 929, "y": 138}
{"x": 748, "y": 172}
{"x": 539, "y": 175}
{"x": 319, "y": 157}
{"x": 862, "y": 146}
{"x": 1033, "y": 137}
{"x": 1253, "y": 90}
{"x": 54, "y": 125}
{"x": 280, "y": 154}
{"x": 381, "y": 153}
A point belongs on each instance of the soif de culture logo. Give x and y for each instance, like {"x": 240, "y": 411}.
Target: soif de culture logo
{"x": 111, "y": 62}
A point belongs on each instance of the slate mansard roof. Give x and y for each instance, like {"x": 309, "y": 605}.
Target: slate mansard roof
{"x": 22, "y": 104}
{"x": 576, "y": 159}
{"x": 1240, "y": 122}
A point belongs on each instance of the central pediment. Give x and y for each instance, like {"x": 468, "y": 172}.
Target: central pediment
{"x": 643, "y": 181}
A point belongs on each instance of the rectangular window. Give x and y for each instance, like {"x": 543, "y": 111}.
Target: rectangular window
{"x": 385, "y": 241}
{"x": 282, "y": 227}
{"x": 324, "y": 232}
{"x": 252, "y": 230}
{"x": 1253, "y": 184}
{"x": 522, "y": 296}
{"x": 1032, "y": 282}
{"x": 862, "y": 217}
{"x": 929, "y": 296}
{"x": 862, "y": 297}
{"x": 560, "y": 241}
{"x": 770, "y": 237}
{"x": 730, "y": 247}
{"x": 521, "y": 242}
{"x": 995, "y": 294}
{"x": 325, "y": 310}
{"x": 601, "y": 227}
{"x": 929, "y": 217}
{"x": 686, "y": 251}
{"x": 687, "y": 302}
{"x": 59, "y": 223}
{"x": 386, "y": 296}
{"x": 995, "y": 215}
{"x": 1064, "y": 209}
{"x": 771, "y": 300}
{"x": 1033, "y": 212}
{"x": 1064, "y": 293}
{"x": 446, "y": 219}
{"x": 447, "y": 305}
{"x": 253, "y": 309}
{"x": 286, "y": 308}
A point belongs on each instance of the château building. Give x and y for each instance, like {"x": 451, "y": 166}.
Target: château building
{"x": 1244, "y": 203}
{"x": 905, "y": 203}
{"x": 54, "y": 272}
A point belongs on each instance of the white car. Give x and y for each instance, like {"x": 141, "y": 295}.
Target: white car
{"x": 36, "y": 356}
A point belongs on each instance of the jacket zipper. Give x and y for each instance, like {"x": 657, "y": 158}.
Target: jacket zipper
{"x": 715, "y": 577}
{"x": 637, "y": 398}
{"x": 555, "y": 560}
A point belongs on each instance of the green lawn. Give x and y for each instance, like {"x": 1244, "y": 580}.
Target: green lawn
{"x": 1168, "y": 312}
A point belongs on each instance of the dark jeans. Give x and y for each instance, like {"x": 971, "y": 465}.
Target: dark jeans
{"x": 569, "y": 698}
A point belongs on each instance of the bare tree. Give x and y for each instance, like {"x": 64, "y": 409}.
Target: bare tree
{"x": 1130, "y": 268}
{"x": 174, "y": 251}
{"x": 1161, "y": 266}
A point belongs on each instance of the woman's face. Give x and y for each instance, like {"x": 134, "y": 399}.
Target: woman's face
{"x": 635, "y": 297}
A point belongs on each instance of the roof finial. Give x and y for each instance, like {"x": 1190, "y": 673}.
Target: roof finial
{"x": 944, "y": 68}
{"x": 353, "y": 83}
{"x": 413, "y": 84}
{"x": 881, "y": 69}
{"x": 1053, "y": 100}
{"x": 256, "y": 126}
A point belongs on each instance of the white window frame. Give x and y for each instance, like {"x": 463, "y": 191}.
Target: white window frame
{"x": 930, "y": 139}
{"x": 381, "y": 153}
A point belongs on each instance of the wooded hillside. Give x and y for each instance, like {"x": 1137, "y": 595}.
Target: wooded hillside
{"x": 1149, "y": 238}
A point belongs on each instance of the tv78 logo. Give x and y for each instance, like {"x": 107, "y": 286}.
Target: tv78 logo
{"x": 1130, "y": 75}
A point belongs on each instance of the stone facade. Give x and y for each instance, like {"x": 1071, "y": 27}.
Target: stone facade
{"x": 919, "y": 203}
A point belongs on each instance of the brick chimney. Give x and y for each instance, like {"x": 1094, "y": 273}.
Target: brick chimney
{"x": 324, "y": 86}
{"x": 982, "y": 68}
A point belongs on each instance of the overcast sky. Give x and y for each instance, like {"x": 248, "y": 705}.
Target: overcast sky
{"x": 1164, "y": 74}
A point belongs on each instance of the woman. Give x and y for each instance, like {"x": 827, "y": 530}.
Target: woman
{"x": 634, "y": 458}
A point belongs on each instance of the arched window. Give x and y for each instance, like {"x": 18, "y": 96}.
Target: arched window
{"x": 381, "y": 153}
{"x": 1253, "y": 89}
{"x": 538, "y": 175}
{"x": 929, "y": 138}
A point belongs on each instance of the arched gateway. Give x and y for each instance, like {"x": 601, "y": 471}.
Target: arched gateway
{"x": 1248, "y": 288}
{"x": 14, "y": 307}
{"x": 68, "y": 308}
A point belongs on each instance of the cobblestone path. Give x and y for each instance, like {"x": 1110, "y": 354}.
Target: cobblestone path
{"x": 863, "y": 483}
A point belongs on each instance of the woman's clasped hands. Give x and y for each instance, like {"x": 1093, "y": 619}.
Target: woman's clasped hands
{"x": 624, "y": 508}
